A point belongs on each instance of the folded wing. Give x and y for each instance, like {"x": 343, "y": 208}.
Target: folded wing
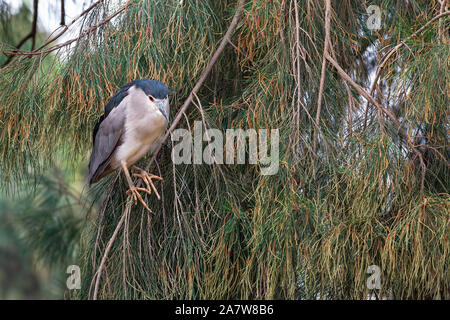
{"x": 107, "y": 138}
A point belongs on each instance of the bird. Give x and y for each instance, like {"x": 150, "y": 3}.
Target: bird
{"x": 133, "y": 123}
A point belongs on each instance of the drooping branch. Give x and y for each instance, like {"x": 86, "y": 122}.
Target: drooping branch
{"x": 386, "y": 111}
{"x": 362, "y": 92}
{"x": 403, "y": 42}
{"x": 108, "y": 248}
{"x": 324, "y": 66}
{"x": 388, "y": 55}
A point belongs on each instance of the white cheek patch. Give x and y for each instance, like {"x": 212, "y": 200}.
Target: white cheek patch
{"x": 153, "y": 107}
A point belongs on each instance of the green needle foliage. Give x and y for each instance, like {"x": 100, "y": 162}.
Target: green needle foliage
{"x": 39, "y": 237}
{"x": 226, "y": 231}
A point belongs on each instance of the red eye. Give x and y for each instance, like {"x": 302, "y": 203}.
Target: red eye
{"x": 151, "y": 98}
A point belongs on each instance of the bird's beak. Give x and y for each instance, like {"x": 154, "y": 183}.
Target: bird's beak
{"x": 162, "y": 108}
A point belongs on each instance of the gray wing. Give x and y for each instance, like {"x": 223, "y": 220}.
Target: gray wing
{"x": 106, "y": 140}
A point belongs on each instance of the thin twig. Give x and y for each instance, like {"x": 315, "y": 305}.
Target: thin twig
{"x": 441, "y": 27}
{"x": 66, "y": 27}
{"x": 298, "y": 76}
{"x": 402, "y": 43}
{"x": 82, "y": 35}
{"x": 98, "y": 274}
{"x": 324, "y": 65}
{"x": 386, "y": 111}
{"x": 59, "y": 181}
{"x": 386, "y": 58}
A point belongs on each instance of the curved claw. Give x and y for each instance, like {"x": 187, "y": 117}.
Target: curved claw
{"x": 137, "y": 196}
{"x": 135, "y": 191}
{"x": 147, "y": 178}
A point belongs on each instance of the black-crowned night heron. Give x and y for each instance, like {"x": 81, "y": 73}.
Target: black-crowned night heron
{"x": 134, "y": 122}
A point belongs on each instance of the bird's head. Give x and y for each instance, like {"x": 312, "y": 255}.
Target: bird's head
{"x": 157, "y": 93}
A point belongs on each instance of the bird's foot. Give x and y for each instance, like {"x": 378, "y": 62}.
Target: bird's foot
{"x": 147, "y": 178}
{"x": 136, "y": 196}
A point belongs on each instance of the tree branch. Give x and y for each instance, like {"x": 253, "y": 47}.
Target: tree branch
{"x": 441, "y": 27}
{"x": 66, "y": 27}
{"x": 386, "y": 111}
{"x": 108, "y": 248}
{"x": 63, "y": 14}
{"x": 85, "y": 33}
{"x": 324, "y": 66}
{"x": 39, "y": 50}
{"x": 34, "y": 26}
{"x": 385, "y": 59}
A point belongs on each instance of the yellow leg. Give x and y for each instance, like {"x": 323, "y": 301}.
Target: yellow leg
{"x": 133, "y": 190}
{"x": 147, "y": 178}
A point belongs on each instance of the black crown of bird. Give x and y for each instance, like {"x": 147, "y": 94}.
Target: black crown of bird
{"x": 133, "y": 123}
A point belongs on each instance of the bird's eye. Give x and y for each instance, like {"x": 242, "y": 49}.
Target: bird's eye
{"x": 151, "y": 98}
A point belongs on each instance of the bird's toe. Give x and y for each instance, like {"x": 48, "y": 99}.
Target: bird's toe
{"x": 137, "y": 197}
{"x": 147, "y": 178}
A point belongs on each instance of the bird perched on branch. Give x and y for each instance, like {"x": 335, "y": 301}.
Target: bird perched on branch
{"x": 133, "y": 123}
